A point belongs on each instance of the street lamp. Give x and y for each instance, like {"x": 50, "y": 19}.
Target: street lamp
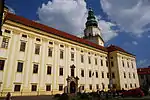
{"x": 1, "y": 14}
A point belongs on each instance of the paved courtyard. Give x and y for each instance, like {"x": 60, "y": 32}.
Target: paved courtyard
{"x": 51, "y": 98}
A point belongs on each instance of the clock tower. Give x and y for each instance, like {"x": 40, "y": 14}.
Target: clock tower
{"x": 92, "y": 32}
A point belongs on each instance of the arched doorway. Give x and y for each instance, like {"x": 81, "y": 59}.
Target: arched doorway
{"x": 72, "y": 87}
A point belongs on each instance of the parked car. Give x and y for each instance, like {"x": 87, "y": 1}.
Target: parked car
{"x": 133, "y": 92}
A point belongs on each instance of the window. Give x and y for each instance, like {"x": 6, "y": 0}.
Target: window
{"x": 103, "y": 86}
{"x": 101, "y": 62}
{"x": 111, "y": 57}
{"x": 112, "y": 64}
{"x": 90, "y": 73}
{"x": 130, "y": 85}
{"x": 128, "y": 64}
{"x": 82, "y": 73}
{"x": 107, "y": 63}
{"x": 95, "y": 61}
{"x": 24, "y": 36}
{"x": 20, "y": 67}
{"x": 89, "y": 58}
{"x": 2, "y": 63}
{"x": 62, "y": 46}
{"x": 23, "y": 46}
{"x": 133, "y": 75}
{"x": 72, "y": 48}
{"x": 51, "y": 43}
{"x": 113, "y": 75}
{"x": 82, "y": 87}
{"x": 96, "y": 74}
{"x": 34, "y": 88}
{"x": 5, "y": 42}
{"x": 90, "y": 86}
{"x": 72, "y": 72}
{"x": 126, "y": 86}
{"x": 50, "y": 50}
{"x": 135, "y": 85}
{"x": 35, "y": 68}
{"x": 82, "y": 59}
{"x": 122, "y": 63}
{"x": 60, "y": 87}
{"x": 124, "y": 75}
{"x": 37, "y": 49}
{"x": 102, "y": 74}
{"x": 60, "y": 71}
{"x": 37, "y": 39}
{"x": 132, "y": 64}
{"x": 97, "y": 86}
{"x": 7, "y": 31}
{"x": 48, "y": 87}
{"x": 61, "y": 54}
{"x": 107, "y": 75}
{"x": 17, "y": 88}
{"x": 72, "y": 56}
{"x": 49, "y": 69}
{"x": 129, "y": 75}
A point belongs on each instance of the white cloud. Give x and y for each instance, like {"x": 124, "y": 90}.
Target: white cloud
{"x": 134, "y": 42}
{"x": 149, "y": 36}
{"x": 143, "y": 63}
{"x": 70, "y": 16}
{"x": 131, "y": 15}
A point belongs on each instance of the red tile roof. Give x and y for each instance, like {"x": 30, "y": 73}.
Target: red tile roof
{"x": 116, "y": 48}
{"x": 143, "y": 70}
{"x": 50, "y": 30}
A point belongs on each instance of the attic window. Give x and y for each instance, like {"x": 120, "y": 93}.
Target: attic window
{"x": 37, "y": 39}
{"x": 62, "y": 46}
{"x": 7, "y": 31}
{"x": 81, "y": 50}
{"x": 23, "y": 35}
{"x": 88, "y": 52}
{"x": 51, "y": 43}
{"x": 72, "y": 48}
{"x": 95, "y": 54}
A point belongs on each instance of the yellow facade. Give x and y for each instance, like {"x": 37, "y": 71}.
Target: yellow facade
{"x": 25, "y": 81}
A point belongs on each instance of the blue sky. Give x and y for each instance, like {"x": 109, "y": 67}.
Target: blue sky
{"x": 124, "y": 23}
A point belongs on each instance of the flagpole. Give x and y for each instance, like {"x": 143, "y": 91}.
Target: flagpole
{"x": 1, "y": 14}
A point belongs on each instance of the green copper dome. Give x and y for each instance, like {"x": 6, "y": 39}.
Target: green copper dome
{"x": 91, "y": 20}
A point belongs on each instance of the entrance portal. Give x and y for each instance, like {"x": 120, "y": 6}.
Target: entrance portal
{"x": 72, "y": 87}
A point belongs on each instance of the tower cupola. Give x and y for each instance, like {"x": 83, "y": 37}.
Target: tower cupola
{"x": 92, "y": 32}
{"x": 91, "y": 20}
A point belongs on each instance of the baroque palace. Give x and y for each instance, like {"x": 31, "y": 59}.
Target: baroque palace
{"x": 39, "y": 60}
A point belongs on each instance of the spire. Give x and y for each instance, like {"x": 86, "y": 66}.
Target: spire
{"x": 91, "y": 20}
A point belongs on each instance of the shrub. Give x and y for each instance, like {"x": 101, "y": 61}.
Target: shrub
{"x": 64, "y": 96}
{"x": 57, "y": 95}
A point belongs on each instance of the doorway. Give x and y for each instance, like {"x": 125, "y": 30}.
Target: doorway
{"x": 72, "y": 87}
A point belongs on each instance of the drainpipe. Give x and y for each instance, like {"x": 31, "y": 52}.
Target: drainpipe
{"x": 110, "y": 74}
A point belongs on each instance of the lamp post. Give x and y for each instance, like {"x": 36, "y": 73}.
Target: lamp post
{"x": 1, "y": 14}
